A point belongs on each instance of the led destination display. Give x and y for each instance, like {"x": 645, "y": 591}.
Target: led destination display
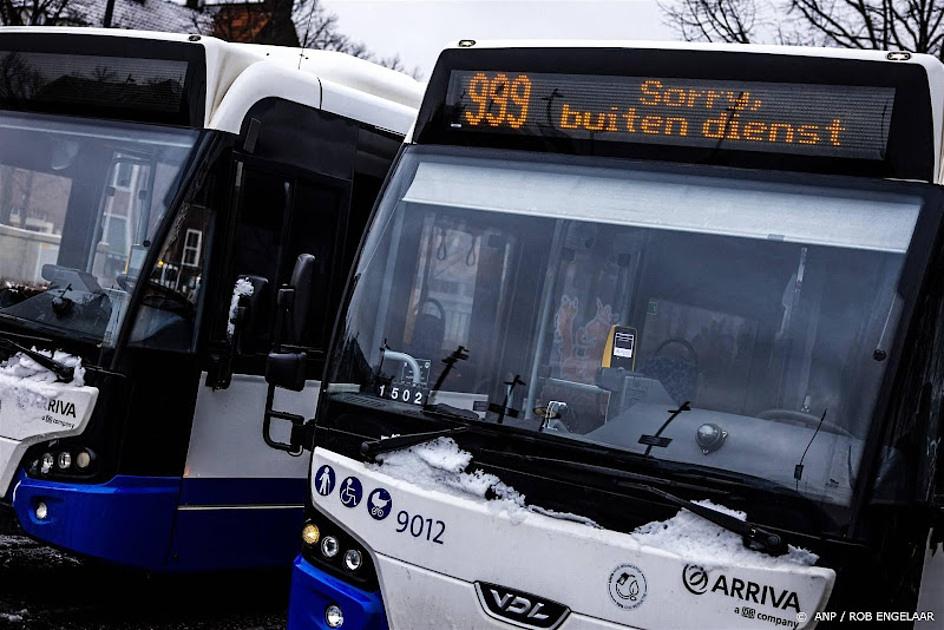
{"x": 806, "y": 119}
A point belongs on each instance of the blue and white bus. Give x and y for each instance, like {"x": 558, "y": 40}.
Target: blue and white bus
{"x": 156, "y": 190}
{"x": 640, "y": 336}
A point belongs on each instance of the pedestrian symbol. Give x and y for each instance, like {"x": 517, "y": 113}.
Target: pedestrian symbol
{"x": 379, "y": 504}
{"x": 351, "y": 492}
{"x": 324, "y": 480}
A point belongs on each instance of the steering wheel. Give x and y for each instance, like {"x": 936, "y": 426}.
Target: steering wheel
{"x": 682, "y": 342}
{"x": 436, "y": 303}
{"x": 801, "y": 417}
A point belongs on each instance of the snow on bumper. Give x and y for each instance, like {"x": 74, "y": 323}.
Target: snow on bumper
{"x": 440, "y": 547}
{"x": 32, "y": 412}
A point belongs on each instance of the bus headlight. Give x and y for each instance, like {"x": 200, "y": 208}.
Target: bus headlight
{"x": 334, "y": 617}
{"x": 329, "y": 546}
{"x": 311, "y": 534}
{"x": 353, "y": 559}
{"x": 46, "y": 462}
{"x": 83, "y": 459}
{"x": 64, "y": 460}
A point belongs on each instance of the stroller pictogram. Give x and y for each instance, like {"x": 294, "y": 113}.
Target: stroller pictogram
{"x": 379, "y": 504}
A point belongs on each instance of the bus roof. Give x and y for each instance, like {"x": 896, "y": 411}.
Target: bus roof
{"x": 453, "y": 55}
{"x": 770, "y": 49}
{"x": 239, "y": 75}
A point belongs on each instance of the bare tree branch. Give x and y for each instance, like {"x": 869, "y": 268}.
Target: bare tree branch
{"x": 318, "y": 28}
{"x": 913, "y": 25}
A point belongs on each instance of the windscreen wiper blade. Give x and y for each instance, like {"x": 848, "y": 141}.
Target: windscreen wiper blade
{"x": 63, "y": 372}
{"x": 371, "y": 448}
{"x": 754, "y": 536}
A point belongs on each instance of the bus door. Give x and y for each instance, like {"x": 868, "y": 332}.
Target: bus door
{"x": 230, "y": 476}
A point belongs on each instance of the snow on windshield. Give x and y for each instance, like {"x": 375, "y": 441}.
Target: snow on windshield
{"x": 692, "y": 537}
{"x": 22, "y": 367}
{"x": 30, "y": 384}
{"x": 441, "y": 465}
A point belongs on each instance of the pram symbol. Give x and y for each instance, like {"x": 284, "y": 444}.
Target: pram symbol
{"x": 379, "y": 504}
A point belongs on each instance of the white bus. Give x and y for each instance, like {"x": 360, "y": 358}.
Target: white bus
{"x": 156, "y": 191}
{"x": 640, "y": 336}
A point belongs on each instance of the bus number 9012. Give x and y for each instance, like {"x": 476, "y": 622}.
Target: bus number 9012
{"x": 420, "y": 527}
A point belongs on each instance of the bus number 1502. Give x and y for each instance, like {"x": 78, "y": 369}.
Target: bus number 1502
{"x": 415, "y": 394}
{"x": 420, "y": 527}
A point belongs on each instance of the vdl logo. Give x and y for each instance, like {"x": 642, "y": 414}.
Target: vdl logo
{"x": 520, "y": 609}
{"x": 695, "y": 579}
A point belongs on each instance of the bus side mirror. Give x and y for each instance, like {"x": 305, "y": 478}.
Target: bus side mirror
{"x": 294, "y": 302}
{"x": 249, "y": 296}
{"x": 287, "y": 370}
{"x": 248, "y": 307}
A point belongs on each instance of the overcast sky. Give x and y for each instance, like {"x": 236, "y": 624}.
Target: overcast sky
{"x": 418, "y": 29}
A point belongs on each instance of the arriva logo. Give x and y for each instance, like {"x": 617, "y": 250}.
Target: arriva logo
{"x": 520, "y": 609}
{"x": 696, "y": 581}
{"x": 61, "y": 407}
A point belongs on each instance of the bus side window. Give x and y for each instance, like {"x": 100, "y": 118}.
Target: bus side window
{"x": 317, "y": 210}
{"x": 257, "y": 247}
{"x": 168, "y": 309}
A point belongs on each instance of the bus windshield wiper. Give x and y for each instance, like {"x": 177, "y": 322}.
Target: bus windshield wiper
{"x": 63, "y": 372}
{"x": 371, "y": 448}
{"x": 657, "y": 439}
{"x": 459, "y": 354}
{"x": 754, "y": 536}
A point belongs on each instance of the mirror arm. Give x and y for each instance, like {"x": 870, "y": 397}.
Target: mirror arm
{"x": 296, "y": 444}
{"x": 286, "y": 303}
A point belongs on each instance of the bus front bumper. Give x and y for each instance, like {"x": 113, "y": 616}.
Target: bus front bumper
{"x": 313, "y": 591}
{"x": 126, "y": 520}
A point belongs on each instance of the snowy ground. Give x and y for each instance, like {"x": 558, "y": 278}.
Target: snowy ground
{"x": 43, "y": 589}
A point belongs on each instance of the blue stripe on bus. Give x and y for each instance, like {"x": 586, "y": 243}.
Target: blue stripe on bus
{"x": 136, "y": 521}
{"x": 313, "y": 590}
{"x": 127, "y": 520}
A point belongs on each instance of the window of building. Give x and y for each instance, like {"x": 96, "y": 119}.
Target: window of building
{"x": 193, "y": 243}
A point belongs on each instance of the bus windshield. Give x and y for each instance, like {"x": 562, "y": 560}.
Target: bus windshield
{"x": 80, "y": 202}
{"x": 701, "y": 317}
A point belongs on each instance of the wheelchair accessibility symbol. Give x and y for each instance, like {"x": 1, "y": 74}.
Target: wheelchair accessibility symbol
{"x": 324, "y": 480}
{"x": 351, "y": 492}
{"x": 379, "y": 504}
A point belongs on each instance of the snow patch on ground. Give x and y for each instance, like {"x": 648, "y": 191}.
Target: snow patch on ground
{"x": 692, "y": 537}
{"x": 243, "y": 287}
{"x": 441, "y": 465}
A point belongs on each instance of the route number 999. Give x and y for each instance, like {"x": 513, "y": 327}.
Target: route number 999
{"x": 499, "y": 100}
